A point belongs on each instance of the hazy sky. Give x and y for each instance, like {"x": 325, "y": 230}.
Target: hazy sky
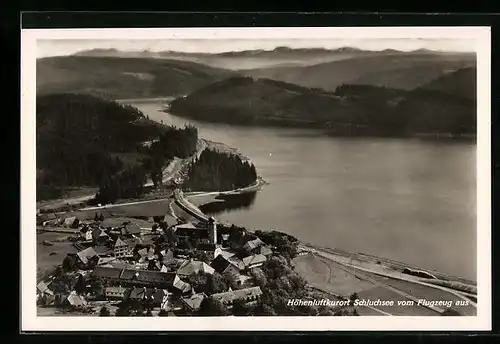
{"x": 70, "y": 46}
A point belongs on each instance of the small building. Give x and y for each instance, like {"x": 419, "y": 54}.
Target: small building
{"x": 131, "y": 277}
{"x": 253, "y": 245}
{"x": 223, "y": 266}
{"x": 121, "y": 249}
{"x": 87, "y": 255}
{"x": 190, "y": 267}
{"x": 250, "y": 296}
{"x": 71, "y": 221}
{"x": 265, "y": 251}
{"x": 103, "y": 251}
{"x": 131, "y": 229}
{"x": 107, "y": 275}
{"x": 193, "y": 302}
{"x": 76, "y": 300}
{"x": 181, "y": 286}
{"x": 99, "y": 235}
{"x": 254, "y": 261}
{"x": 43, "y": 289}
{"x": 115, "y": 293}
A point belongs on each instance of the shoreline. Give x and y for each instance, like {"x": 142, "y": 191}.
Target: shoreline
{"x": 257, "y": 185}
{"x": 323, "y": 127}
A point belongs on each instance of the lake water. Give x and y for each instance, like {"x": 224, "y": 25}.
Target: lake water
{"x": 408, "y": 200}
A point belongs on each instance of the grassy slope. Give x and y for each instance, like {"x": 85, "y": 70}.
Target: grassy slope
{"x": 395, "y": 70}
{"x": 122, "y": 77}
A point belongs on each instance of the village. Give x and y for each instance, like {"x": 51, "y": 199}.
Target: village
{"x": 171, "y": 269}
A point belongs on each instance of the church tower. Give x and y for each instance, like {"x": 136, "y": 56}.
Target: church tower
{"x": 212, "y": 228}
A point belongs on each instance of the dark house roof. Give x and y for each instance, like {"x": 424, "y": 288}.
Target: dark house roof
{"x": 199, "y": 233}
{"x": 220, "y": 264}
{"x": 106, "y": 272}
{"x": 131, "y": 228}
{"x": 103, "y": 250}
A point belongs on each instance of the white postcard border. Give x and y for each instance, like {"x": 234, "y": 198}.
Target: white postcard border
{"x": 31, "y": 322}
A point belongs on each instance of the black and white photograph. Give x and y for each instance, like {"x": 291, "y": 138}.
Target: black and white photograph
{"x": 307, "y": 178}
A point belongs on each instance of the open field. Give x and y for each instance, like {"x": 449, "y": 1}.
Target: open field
{"x": 327, "y": 275}
{"x": 44, "y": 258}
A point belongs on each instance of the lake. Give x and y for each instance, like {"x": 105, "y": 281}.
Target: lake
{"x": 404, "y": 199}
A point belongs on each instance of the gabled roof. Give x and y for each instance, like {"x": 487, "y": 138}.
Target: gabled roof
{"x": 44, "y": 288}
{"x": 253, "y": 244}
{"x": 137, "y": 293}
{"x": 220, "y": 264}
{"x": 265, "y": 250}
{"x": 194, "y": 266}
{"x": 254, "y": 259}
{"x": 86, "y": 254}
{"x": 238, "y": 263}
{"x": 169, "y": 220}
{"x": 69, "y": 220}
{"x": 115, "y": 290}
{"x": 181, "y": 285}
{"x": 194, "y": 301}
{"x": 76, "y": 300}
{"x": 188, "y": 225}
{"x": 154, "y": 276}
{"x": 132, "y": 228}
{"x": 247, "y": 294}
{"x": 105, "y": 260}
{"x": 107, "y": 272}
{"x": 103, "y": 250}
{"x": 120, "y": 243}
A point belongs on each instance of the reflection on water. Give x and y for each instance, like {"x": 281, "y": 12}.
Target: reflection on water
{"x": 226, "y": 203}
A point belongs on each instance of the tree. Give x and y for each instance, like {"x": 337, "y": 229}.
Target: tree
{"x": 199, "y": 281}
{"x": 232, "y": 280}
{"x": 239, "y": 308}
{"x": 101, "y": 217}
{"x": 212, "y": 307}
{"x": 97, "y": 288}
{"x": 216, "y": 283}
{"x": 123, "y": 311}
{"x": 353, "y": 297}
{"x": 104, "y": 312}
{"x": 259, "y": 277}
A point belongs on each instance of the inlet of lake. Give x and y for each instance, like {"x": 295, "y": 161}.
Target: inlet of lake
{"x": 408, "y": 200}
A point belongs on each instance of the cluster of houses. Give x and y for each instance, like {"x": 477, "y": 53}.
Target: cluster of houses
{"x": 152, "y": 268}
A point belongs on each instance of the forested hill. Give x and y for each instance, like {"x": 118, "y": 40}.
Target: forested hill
{"x": 119, "y": 78}
{"x": 81, "y": 139}
{"x": 404, "y": 70}
{"x": 350, "y": 110}
{"x": 461, "y": 82}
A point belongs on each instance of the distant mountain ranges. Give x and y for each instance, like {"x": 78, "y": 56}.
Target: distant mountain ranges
{"x": 379, "y": 92}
